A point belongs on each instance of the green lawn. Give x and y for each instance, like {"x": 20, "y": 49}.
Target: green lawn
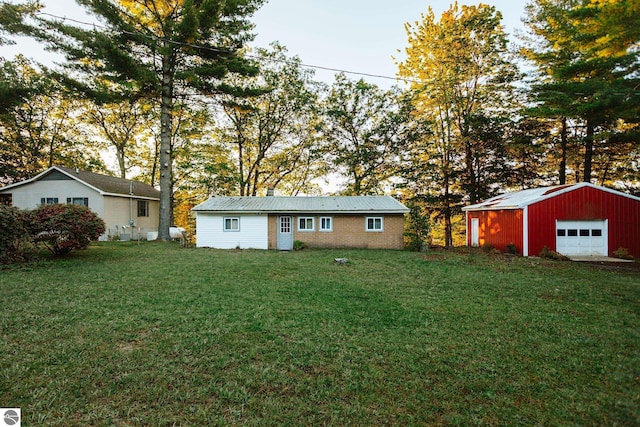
{"x": 158, "y": 335}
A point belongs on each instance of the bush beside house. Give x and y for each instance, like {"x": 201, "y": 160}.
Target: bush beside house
{"x": 60, "y": 228}
{"x": 15, "y": 234}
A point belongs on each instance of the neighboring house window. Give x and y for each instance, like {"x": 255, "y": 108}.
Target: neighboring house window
{"x": 48, "y": 200}
{"x": 143, "y": 208}
{"x": 375, "y": 223}
{"x": 326, "y": 223}
{"x": 232, "y": 224}
{"x": 305, "y": 223}
{"x": 82, "y": 201}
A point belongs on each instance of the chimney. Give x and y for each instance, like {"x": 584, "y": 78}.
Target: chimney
{"x": 270, "y": 191}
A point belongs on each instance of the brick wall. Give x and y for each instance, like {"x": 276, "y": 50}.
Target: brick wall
{"x": 349, "y": 231}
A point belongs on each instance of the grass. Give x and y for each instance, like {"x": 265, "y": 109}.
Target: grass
{"x": 155, "y": 334}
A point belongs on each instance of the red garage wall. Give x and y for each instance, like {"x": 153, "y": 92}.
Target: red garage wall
{"x": 497, "y": 228}
{"x": 586, "y": 203}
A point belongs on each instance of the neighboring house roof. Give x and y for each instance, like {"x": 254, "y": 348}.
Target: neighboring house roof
{"x": 521, "y": 199}
{"x": 104, "y": 184}
{"x": 328, "y": 204}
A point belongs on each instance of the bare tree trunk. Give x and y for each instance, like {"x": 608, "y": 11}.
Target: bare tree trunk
{"x": 121, "y": 161}
{"x": 166, "y": 167}
{"x": 448, "y": 232}
{"x": 154, "y": 166}
{"x": 471, "y": 173}
{"x": 562, "y": 169}
{"x": 588, "y": 152}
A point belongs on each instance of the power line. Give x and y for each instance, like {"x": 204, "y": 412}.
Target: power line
{"x": 213, "y": 49}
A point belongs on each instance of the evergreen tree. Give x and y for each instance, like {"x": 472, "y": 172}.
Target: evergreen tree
{"x": 587, "y": 69}
{"x": 162, "y": 49}
{"x": 14, "y": 89}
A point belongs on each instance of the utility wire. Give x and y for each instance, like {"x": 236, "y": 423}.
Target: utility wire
{"x": 311, "y": 66}
{"x": 214, "y": 49}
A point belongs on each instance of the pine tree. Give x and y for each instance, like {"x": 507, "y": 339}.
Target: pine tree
{"x": 587, "y": 67}
{"x": 161, "y": 49}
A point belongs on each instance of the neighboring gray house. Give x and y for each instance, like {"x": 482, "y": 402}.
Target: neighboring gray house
{"x": 276, "y": 222}
{"x": 127, "y": 207}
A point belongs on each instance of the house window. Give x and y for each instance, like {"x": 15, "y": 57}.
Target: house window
{"x": 375, "y": 223}
{"x": 48, "y": 200}
{"x": 143, "y": 208}
{"x": 305, "y": 224}
{"x": 232, "y": 224}
{"x": 82, "y": 201}
{"x": 326, "y": 223}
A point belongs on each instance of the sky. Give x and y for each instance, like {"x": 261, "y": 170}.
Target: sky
{"x": 353, "y": 35}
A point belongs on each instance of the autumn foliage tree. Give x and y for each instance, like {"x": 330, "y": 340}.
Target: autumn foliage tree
{"x": 366, "y": 133}
{"x": 461, "y": 79}
{"x": 43, "y": 131}
{"x": 273, "y": 134}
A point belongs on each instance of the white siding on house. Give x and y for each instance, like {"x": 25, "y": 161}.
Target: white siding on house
{"x": 28, "y": 196}
{"x": 253, "y": 233}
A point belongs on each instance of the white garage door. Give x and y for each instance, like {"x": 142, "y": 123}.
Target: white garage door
{"x": 581, "y": 237}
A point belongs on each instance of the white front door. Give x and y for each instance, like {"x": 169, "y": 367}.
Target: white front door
{"x": 285, "y": 233}
{"x": 581, "y": 237}
{"x": 475, "y": 232}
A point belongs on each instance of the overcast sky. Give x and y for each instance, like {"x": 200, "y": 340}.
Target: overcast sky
{"x": 352, "y": 35}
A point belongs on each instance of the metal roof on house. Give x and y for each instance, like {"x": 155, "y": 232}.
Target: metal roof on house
{"x": 521, "y": 199}
{"x": 104, "y": 184}
{"x": 328, "y": 204}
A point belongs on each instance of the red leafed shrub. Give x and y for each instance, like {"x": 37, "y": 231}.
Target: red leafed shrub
{"x": 15, "y": 234}
{"x": 63, "y": 228}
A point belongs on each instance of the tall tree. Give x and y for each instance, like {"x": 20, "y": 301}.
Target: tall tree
{"x": 124, "y": 127}
{"x": 461, "y": 78}
{"x": 158, "y": 48}
{"x": 273, "y": 134}
{"x": 367, "y": 132}
{"x": 13, "y": 89}
{"x": 42, "y": 132}
{"x": 586, "y": 67}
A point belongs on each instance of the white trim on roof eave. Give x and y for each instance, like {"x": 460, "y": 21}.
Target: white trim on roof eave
{"x": 477, "y": 208}
{"x": 37, "y": 177}
{"x": 77, "y": 179}
{"x": 294, "y": 212}
{"x": 231, "y": 212}
{"x": 30, "y": 180}
{"x": 581, "y": 185}
{"x": 130, "y": 196}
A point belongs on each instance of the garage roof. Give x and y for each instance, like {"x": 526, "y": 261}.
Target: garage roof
{"x": 521, "y": 199}
{"x": 328, "y": 204}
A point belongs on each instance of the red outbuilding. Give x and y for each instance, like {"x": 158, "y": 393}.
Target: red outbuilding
{"x": 576, "y": 219}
